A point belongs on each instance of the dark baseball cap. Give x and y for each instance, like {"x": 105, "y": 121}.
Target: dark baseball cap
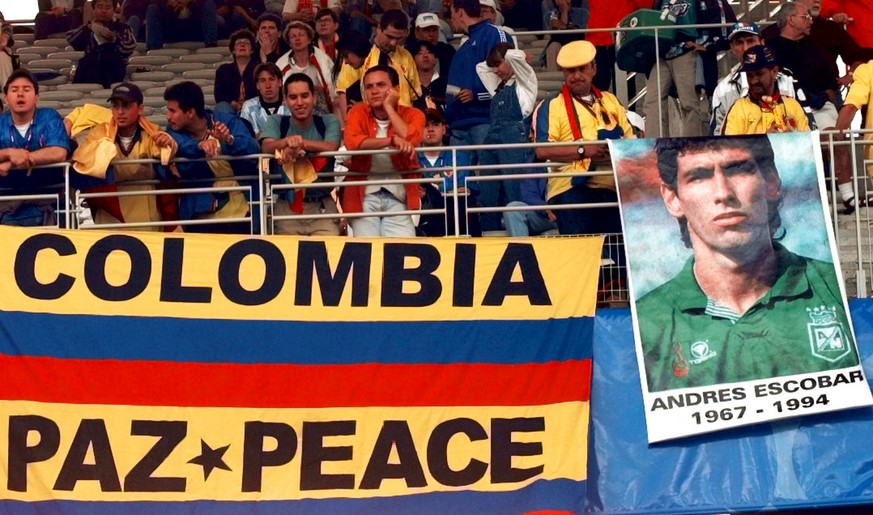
{"x": 758, "y": 57}
{"x": 433, "y": 115}
{"x": 126, "y": 92}
{"x": 744, "y": 28}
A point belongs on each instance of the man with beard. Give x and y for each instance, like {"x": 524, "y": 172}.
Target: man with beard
{"x": 763, "y": 109}
{"x": 581, "y": 112}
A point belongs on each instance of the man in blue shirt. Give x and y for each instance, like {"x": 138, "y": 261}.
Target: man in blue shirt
{"x": 441, "y": 195}
{"x": 202, "y": 133}
{"x": 469, "y": 104}
{"x": 29, "y": 137}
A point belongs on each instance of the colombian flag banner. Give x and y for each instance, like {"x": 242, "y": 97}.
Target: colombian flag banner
{"x": 154, "y": 373}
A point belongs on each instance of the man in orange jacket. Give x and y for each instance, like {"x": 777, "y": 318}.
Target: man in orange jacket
{"x": 382, "y": 124}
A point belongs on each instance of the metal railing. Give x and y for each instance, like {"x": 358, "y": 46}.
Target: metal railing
{"x": 854, "y": 234}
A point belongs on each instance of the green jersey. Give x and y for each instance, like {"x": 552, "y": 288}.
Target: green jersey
{"x": 799, "y": 326}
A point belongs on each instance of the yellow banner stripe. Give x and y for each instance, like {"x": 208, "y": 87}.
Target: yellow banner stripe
{"x": 99, "y": 452}
{"x": 292, "y": 278}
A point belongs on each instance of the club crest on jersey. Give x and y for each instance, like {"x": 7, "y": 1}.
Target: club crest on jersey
{"x": 701, "y": 352}
{"x": 827, "y": 337}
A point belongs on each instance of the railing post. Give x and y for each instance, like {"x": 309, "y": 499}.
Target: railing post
{"x": 861, "y": 277}
{"x": 455, "y": 192}
{"x": 68, "y": 199}
{"x": 263, "y": 173}
{"x": 658, "y": 79}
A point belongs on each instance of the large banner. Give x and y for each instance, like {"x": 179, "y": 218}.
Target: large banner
{"x": 740, "y": 312}
{"x": 313, "y": 375}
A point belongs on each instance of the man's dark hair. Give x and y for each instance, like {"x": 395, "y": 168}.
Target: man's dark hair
{"x": 471, "y": 7}
{"x": 415, "y": 47}
{"x": 21, "y": 73}
{"x": 298, "y": 77}
{"x": 394, "y": 18}
{"x": 758, "y": 146}
{"x": 497, "y": 54}
{"x": 270, "y": 16}
{"x": 326, "y": 11}
{"x": 392, "y": 73}
{"x": 270, "y": 68}
{"x": 188, "y": 95}
{"x": 241, "y": 34}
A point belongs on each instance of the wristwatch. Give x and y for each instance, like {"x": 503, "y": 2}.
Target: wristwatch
{"x": 581, "y": 151}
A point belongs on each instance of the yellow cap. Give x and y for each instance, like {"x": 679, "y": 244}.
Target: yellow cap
{"x": 575, "y": 54}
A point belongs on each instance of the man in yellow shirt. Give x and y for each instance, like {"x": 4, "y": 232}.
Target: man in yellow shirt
{"x": 763, "y": 109}
{"x": 579, "y": 113}
{"x": 126, "y": 136}
{"x": 860, "y": 95}
{"x": 387, "y": 50}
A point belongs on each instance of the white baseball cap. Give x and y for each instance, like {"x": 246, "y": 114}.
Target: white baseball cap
{"x": 490, "y": 3}
{"x": 427, "y": 20}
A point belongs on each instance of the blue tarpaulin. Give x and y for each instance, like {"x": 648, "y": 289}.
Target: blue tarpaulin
{"x": 815, "y": 461}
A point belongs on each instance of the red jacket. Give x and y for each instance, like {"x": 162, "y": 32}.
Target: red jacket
{"x": 861, "y": 12}
{"x": 605, "y": 14}
{"x": 360, "y": 125}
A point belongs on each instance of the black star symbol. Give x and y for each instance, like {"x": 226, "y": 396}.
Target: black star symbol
{"x": 210, "y": 459}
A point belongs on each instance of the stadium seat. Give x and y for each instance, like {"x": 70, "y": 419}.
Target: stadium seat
{"x": 150, "y": 60}
{"x": 214, "y": 50}
{"x": 38, "y": 50}
{"x": 172, "y": 52}
{"x": 183, "y": 67}
{"x": 203, "y": 58}
{"x": 51, "y": 64}
{"x": 157, "y": 76}
{"x": 207, "y": 74}
{"x": 154, "y": 101}
{"x": 60, "y": 43}
{"x": 61, "y": 95}
{"x": 550, "y": 85}
{"x": 154, "y": 91}
{"x": 22, "y": 40}
{"x": 187, "y": 45}
{"x": 72, "y": 56}
{"x": 83, "y": 87}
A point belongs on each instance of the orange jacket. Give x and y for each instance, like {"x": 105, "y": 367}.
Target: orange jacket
{"x": 360, "y": 125}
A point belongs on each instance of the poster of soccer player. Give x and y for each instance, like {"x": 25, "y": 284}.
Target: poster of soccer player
{"x": 740, "y": 312}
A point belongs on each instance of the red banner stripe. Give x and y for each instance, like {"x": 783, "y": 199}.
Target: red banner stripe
{"x": 163, "y": 383}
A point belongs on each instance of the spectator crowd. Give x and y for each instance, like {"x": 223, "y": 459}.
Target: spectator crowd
{"x": 304, "y": 78}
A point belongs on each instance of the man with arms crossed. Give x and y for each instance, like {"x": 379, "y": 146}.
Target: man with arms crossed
{"x": 382, "y": 123}
{"x": 29, "y": 136}
{"x": 743, "y": 307}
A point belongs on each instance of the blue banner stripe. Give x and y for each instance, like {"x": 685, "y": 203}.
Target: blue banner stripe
{"x": 231, "y": 341}
{"x": 561, "y": 494}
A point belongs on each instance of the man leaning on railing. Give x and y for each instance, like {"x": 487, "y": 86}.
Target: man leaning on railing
{"x": 382, "y": 124}
{"x": 127, "y": 136}
{"x": 295, "y": 139}
{"x": 202, "y": 133}
{"x": 30, "y": 136}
